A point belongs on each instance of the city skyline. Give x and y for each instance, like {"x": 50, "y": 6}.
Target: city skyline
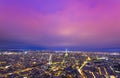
{"x": 75, "y": 24}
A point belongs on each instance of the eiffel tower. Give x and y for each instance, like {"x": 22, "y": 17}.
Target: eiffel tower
{"x": 66, "y": 53}
{"x": 66, "y": 57}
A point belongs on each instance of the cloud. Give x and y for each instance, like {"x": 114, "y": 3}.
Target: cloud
{"x": 78, "y": 23}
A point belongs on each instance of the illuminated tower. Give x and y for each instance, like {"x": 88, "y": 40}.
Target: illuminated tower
{"x": 50, "y": 59}
{"x": 66, "y": 53}
{"x": 65, "y": 59}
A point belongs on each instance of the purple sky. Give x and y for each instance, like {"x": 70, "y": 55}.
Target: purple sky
{"x": 60, "y": 23}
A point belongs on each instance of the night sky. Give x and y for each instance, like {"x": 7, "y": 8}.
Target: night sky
{"x": 77, "y": 24}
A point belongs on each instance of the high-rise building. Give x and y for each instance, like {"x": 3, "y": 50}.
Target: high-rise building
{"x": 50, "y": 59}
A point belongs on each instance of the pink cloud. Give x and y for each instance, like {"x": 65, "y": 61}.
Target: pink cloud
{"x": 77, "y": 24}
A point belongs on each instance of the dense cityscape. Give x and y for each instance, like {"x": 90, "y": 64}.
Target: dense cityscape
{"x": 59, "y": 64}
{"x": 59, "y": 38}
